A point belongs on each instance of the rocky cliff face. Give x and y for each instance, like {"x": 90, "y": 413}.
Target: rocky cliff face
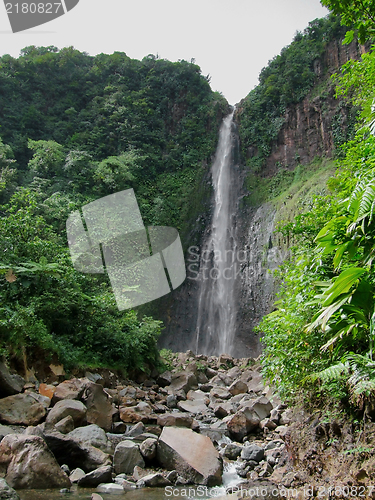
{"x": 311, "y": 128}
{"x": 317, "y": 124}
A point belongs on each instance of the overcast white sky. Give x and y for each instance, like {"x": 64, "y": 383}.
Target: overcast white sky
{"x": 232, "y": 40}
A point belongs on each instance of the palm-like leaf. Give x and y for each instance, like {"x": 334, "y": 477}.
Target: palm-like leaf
{"x": 362, "y": 200}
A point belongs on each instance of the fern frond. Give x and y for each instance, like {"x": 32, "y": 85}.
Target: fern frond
{"x": 333, "y": 372}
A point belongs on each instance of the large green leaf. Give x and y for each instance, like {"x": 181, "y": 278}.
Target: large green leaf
{"x": 343, "y": 284}
{"x": 322, "y": 317}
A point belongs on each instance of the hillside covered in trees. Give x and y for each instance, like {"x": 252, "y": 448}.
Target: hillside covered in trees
{"x": 319, "y": 340}
{"x": 75, "y": 128}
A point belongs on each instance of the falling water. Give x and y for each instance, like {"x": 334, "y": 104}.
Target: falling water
{"x": 216, "y": 308}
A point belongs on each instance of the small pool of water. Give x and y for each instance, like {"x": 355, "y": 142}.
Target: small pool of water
{"x": 184, "y": 493}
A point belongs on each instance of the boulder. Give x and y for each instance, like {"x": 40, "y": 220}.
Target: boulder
{"x": 191, "y": 454}
{"x": 148, "y": 448}
{"x": 95, "y": 377}
{"x": 136, "y": 430}
{"x": 164, "y": 378}
{"x": 171, "y": 401}
{"x": 234, "y": 373}
{"x": 198, "y": 396}
{"x": 267, "y": 423}
{"x": 65, "y": 425}
{"x": 9, "y": 384}
{"x": 138, "y": 473}
{"x": 47, "y": 390}
{"x": 70, "y": 389}
{"x": 71, "y": 452}
{"x": 96, "y": 477}
{"x": 99, "y": 407}
{"x": 252, "y": 452}
{"x": 128, "y": 392}
{"x": 211, "y": 372}
{"x": 127, "y": 485}
{"x": 119, "y": 427}
{"x": 5, "y": 430}
{"x": 225, "y": 361}
{"x": 232, "y": 451}
{"x": 201, "y": 377}
{"x": 242, "y": 422}
{"x": 126, "y": 457}
{"x": 262, "y": 406}
{"x": 218, "y": 381}
{"x": 6, "y": 492}
{"x": 91, "y": 435}
{"x": 184, "y": 381}
{"x": 31, "y": 464}
{"x": 43, "y": 400}
{"x": 254, "y": 382}
{"x": 220, "y": 393}
{"x": 153, "y": 481}
{"x": 192, "y": 406}
{"x": 21, "y": 409}
{"x": 95, "y": 496}
{"x": 175, "y": 419}
{"x": 133, "y": 414}
{"x": 65, "y": 407}
{"x": 238, "y": 387}
{"x": 76, "y": 475}
{"x": 286, "y": 417}
{"x": 221, "y": 410}
{"x": 111, "y": 488}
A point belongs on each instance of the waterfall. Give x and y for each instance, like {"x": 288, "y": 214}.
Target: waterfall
{"x": 216, "y": 319}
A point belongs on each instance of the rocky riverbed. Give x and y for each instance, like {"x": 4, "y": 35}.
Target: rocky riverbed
{"x": 205, "y": 420}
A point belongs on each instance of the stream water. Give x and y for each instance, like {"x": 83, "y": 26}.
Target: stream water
{"x": 230, "y": 479}
{"x": 216, "y": 307}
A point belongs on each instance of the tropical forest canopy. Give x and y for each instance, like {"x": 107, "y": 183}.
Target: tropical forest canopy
{"x": 75, "y": 128}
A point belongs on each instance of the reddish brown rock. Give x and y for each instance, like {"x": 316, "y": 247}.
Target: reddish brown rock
{"x": 47, "y": 390}
{"x": 133, "y": 414}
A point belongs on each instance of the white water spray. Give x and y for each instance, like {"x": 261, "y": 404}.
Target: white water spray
{"x": 218, "y": 267}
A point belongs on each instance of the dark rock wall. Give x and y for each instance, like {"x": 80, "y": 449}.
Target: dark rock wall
{"x": 308, "y": 132}
{"x": 310, "y": 126}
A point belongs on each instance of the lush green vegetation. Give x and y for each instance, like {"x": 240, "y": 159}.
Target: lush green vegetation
{"x": 320, "y": 338}
{"x": 358, "y": 14}
{"x": 286, "y": 80}
{"x": 75, "y": 128}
